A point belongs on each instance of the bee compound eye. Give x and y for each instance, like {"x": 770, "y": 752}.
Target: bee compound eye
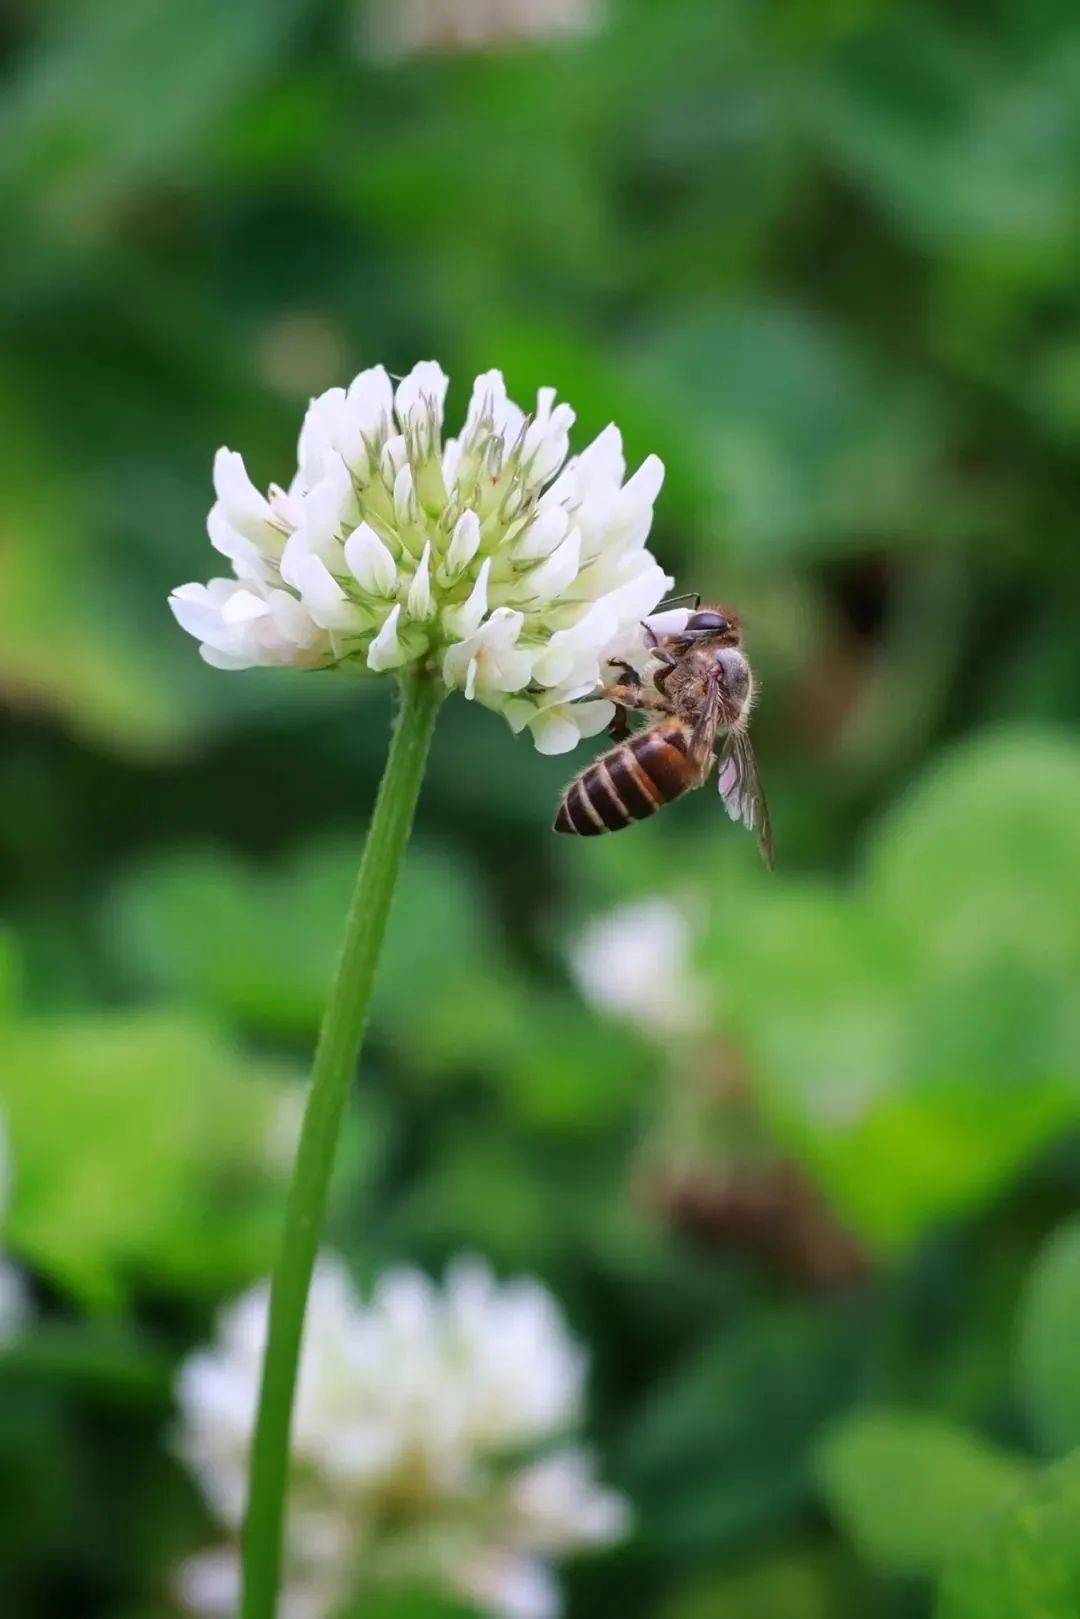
{"x": 706, "y": 624}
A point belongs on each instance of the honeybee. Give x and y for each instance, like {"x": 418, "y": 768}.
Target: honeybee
{"x": 702, "y": 690}
{"x": 769, "y": 1210}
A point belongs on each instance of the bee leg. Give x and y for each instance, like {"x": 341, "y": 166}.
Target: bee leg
{"x": 625, "y": 695}
{"x": 661, "y": 676}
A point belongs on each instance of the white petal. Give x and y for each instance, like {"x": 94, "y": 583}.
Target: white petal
{"x": 423, "y": 390}
{"x": 371, "y": 399}
{"x": 509, "y": 671}
{"x": 591, "y": 718}
{"x": 395, "y": 455}
{"x": 629, "y": 517}
{"x": 242, "y": 607}
{"x": 486, "y": 400}
{"x": 319, "y": 434}
{"x": 406, "y": 509}
{"x": 547, "y": 443}
{"x": 295, "y": 557}
{"x": 637, "y": 598}
{"x": 603, "y": 459}
{"x": 554, "y": 575}
{"x": 291, "y": 622}
{"x": 451, "y": 460}
{"x": 464, "y": 620}
{"x": 228, "y": 660}
{"x": 646, "y": 482}
{"x": 329, "y": 505}
{"x": 573, "y": 655}
{"x": 370, "y": 562}
{"x": 286, "y": 504}
{"x": 196, "y": 612}
{"x": 508, "y": 1586}
{"x": 421, "y": 603}
{"x": 556, "y": 1499}
{"x": 464, "y": 543}
{"x": 490, "y": 408}
{"x": 209, "y": 1583}
{"x": 547, "y": 530}
{"x": 386, "y": 651}
{"x": 324, "y": 598}
{"x": 246, "y": 557}
{"x": 553, "y": 732}
{"x": 501, "y": 665}
{"x": 248, "y": 511}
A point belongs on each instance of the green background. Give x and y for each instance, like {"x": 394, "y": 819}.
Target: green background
{"x": 821, "y": 258}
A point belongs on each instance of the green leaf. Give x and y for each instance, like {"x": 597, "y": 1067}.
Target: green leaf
{"x": 1048, "y": 1359}
{"x": 722, "y": 1448}
{"x": 1025, "y": 1564}
{"x": 119, "y": 93}
{"x": 799, "y": 1584}
{"x": 799, "y": 408}
{"x": 143, "y": 1147}
{"x": 62, "y": 642}
{"x": 913, "y": 1039}
{"x": 10, "y": 976}
{"x": 981, "y": 858}
{"x": 258, "y": 946}
{"x": 257, "y": 949}
{"x": 964, "y": 138}
{"x": 909, "y": 1488}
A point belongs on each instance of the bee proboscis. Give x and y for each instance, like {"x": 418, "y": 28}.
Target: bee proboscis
{"x": 701, "y": 692}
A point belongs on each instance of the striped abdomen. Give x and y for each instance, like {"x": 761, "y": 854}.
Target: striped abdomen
{"x": 629, "y": 782}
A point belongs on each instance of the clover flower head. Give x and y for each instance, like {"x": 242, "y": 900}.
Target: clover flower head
{"x": 441, "y": 1411}
{"x": 635, "y": 963}
{"x": 405, "y": 27}
{"x": 489, "y": 559}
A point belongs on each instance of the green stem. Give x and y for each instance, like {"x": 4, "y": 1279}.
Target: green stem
{"x": 332, "y": 1074}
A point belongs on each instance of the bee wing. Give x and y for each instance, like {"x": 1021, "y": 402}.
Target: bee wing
{"x": 702, "y": 744}
{"x": 739, "y": 783}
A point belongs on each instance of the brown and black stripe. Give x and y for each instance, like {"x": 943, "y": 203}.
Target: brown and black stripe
{"x": 628, "y": 782}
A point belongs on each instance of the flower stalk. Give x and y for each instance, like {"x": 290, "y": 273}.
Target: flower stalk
{"x": 335, "y": 1061}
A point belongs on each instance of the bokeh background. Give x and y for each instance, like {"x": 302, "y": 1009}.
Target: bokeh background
{"x": 805, "y": 1188}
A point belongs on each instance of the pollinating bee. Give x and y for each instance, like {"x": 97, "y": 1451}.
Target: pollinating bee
{"x": 701, "y": 690}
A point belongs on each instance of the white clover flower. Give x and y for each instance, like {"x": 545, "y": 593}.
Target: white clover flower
{"x": 434, "y": 1409}
{"x": 489, "y": 559}
{"x": 635, "y": 963}
{"x": 404, "y": 27}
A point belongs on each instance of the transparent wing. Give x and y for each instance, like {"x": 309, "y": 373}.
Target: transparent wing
{"x": 739, "y": 784}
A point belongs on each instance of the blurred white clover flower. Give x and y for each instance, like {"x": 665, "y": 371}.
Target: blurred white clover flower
{"x": 404, "y": 27}
{"x": 636, "y": 963}
{"x": 12, "y": 1292}
{"x": 489, "y": 559}
{"x": 426, "y": 1443}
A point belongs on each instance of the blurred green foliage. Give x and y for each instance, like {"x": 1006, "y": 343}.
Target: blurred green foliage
{"x": 821, "y": 258}
{"x": 144, "y": 1150}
